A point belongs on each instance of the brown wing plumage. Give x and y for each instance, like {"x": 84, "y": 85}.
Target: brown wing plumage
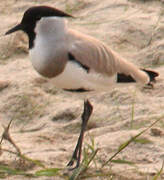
{"x": 100, "y": 58}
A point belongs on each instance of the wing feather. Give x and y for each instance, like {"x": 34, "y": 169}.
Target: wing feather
{"x": 100, "y": 58}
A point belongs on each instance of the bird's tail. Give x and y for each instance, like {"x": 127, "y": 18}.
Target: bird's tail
{"x": 123, "y": 78}
{"x": 152, "y": 74}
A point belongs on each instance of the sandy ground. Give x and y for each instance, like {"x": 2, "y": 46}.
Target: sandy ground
{"x": 47, "y": 121}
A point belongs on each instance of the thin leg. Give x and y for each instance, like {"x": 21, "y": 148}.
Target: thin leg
{"x": 76, "y": 156}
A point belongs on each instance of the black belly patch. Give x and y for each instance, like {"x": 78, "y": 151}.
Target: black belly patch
{"x": 79, "y": 90}
{"x": 73, "y": 59}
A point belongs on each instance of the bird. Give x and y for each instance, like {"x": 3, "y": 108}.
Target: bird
{"x": 74, "y": 61}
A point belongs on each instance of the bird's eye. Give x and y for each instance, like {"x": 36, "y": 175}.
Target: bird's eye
{"x": 38, "y": 18}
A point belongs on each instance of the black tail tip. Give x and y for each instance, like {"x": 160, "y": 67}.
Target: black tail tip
{"x": 152, "y": 74}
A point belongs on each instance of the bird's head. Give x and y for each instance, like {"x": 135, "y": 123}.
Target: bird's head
{"x": 33, "y": 15}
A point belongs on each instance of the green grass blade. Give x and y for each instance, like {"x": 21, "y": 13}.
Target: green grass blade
{"x": 142, "y": 141}
{"x": 34, "y": 161}
{"x": 10, "y": 171}
{"x": 48, "y": 172}
{"x": 159, "y": 172}
{"x": 121, "y": 161}
{"x": 124, "y": 145}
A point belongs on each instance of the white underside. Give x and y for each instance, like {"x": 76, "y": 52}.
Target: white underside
{"x": 75, "y": 77}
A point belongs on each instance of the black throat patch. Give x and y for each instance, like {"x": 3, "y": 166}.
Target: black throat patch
{"x": 31, "y": 37}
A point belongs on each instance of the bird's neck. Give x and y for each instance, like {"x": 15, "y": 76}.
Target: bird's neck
{"x": 47, "y": 27}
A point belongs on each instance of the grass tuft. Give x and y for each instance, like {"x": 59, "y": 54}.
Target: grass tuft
{"x": 132, "y": 139}
{"x": 159, "y": 173}
{"x": 84, "y": 165}
{"x": 84, "y": 171}
{"x": 6, "y": 171}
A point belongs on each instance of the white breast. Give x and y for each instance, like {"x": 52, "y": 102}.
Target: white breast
{"x": 38, "y": 54}
{"x": 49, "y": 41}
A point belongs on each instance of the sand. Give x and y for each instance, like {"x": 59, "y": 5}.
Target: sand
{"x": 46, "y": 121}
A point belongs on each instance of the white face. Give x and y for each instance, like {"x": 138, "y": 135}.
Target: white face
{"x": 50, "y": 25}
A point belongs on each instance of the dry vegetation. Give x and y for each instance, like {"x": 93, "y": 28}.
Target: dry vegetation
{"x": 46, "y": 121}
